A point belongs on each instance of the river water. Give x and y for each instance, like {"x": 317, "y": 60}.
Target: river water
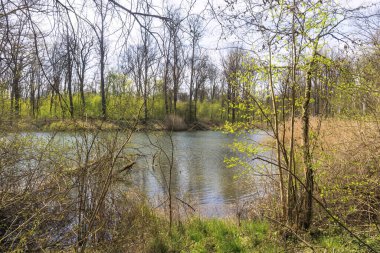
{"x": 200, "y": 176}
{"x": 199, "y": 172}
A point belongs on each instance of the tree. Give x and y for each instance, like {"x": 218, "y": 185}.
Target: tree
{"x": 84, "y": 44}
{"x": 232, "y": 65}
{"x": 177, "y": 64}
{"x": 195, "y": 32}
{"x": 289, "y": 38}
{"x": 100, "y": 28}
{"x": 17, "y": 62}
{"x": 70, "y": 49}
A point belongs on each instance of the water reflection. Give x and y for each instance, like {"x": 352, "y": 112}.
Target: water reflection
{"x": 199, "y": 172}
{"x": 199, "y": 176}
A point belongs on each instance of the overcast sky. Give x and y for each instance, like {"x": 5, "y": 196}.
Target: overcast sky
{"x": 211, "y": 40}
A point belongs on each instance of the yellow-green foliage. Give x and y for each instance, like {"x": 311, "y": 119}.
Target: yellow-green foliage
{"x": 75, "y": 125}
{"x": 119, "y": 107}
{"x": 209, "y": 111}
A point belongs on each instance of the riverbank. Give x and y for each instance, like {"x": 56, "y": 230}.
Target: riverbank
{"x": 347, "y": 182}
{"x": 154, "y": 235}
{"x": 171, "y": 123}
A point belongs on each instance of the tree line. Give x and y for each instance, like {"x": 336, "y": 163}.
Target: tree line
{"x": 56, "y": 61}
{"x": 65, "y": 60}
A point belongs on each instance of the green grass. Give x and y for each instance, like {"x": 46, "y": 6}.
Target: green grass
{"x": 223, "y": 235}
{"x": 216, "y": 235}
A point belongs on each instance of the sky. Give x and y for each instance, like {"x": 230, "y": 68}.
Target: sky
{"x": 211, "y": 40}
{"x": 215, "y": 45}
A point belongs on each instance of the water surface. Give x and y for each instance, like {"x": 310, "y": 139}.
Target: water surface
{"x": 199, "y": 173}
{"x": 200, "y": 176}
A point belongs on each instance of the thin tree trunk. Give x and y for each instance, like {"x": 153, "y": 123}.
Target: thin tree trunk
{"x": 277, "y": 135}
{"x": 81, "y": 91}
{"x": 166, "y": 86}
{"x": 32, "y": 94}
{"x": 102, "y": 82}
{"x": 69, "y": 78}
{"x": 146, "y": 77}
{"x": 292, "y": 197}
{"x": 175, "y": 74}
{"x": 307, "y": 159}
{"x": 102, "y": 64}
{"x": 17, "y": 93}
{"x": 191, "y": 118}
{"x": 195, "y": 100}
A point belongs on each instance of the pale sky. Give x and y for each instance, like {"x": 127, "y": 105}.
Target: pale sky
{"x": 211, "y": 40}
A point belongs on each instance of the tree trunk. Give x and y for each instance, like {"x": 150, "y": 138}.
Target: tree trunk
{"x": 277, "y": 135}
{"x": 146, "y": 77}
{"x": 195, "y": 100}
{"x": 191, "y": 118}
{"x": 81, "y": 91}
{"x": 32, "y": 94}
{"x": 292, "y": 212}
{"x": 166, "y": 86}
{"x": 306, "y": 218}
{"x": 69, "y": 78}
{"x": 175, "y": 74}
{"x": 102, "y": 81}
{"x": 17, "y": 92}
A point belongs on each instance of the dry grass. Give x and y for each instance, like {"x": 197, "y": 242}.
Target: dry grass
{"x": 75, "y": 125}
{"x": 346, "y": 158}
{"x": 175, "y": 123}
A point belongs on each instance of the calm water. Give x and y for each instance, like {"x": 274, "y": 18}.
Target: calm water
{"x": 199, "y": 174}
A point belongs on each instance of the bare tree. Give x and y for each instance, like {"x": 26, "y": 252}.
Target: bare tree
{"x": 195, "y": 31}
{"x": 100, "y": 29}
{"x": 84, "y": 44}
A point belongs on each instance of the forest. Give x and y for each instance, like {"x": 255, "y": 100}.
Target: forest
{"x": 189, "y": 126}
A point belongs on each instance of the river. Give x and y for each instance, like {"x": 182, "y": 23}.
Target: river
{"x": 200, "y": 176}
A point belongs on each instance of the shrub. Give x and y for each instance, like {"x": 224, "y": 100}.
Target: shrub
{"x": 175, "y": 123}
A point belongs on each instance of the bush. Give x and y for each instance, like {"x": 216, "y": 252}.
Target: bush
{"x": 175, "y": 123}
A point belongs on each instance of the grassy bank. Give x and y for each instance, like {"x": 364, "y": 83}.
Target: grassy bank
{"x": 225, "y": 235}
{"x": 216, "y": 235}
{"x": 251, "y": 236}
